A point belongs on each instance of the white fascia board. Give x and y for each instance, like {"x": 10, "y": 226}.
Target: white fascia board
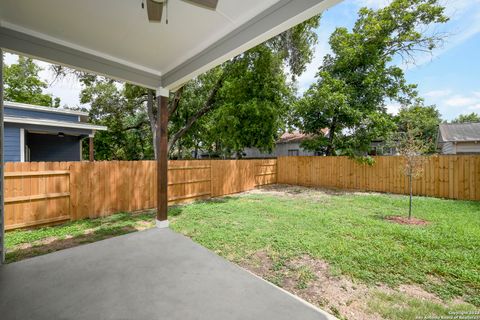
{"x": 22, "y": 145}
{"x": 36, "y": 45}
{"x": 273, "y": 21}
{"x": 51, "y": 123}
{"x": 25, "y": 106}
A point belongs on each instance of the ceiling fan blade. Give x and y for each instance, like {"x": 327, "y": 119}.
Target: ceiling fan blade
{"x": 207, "y": 4}
{"x": 154, "y": 10}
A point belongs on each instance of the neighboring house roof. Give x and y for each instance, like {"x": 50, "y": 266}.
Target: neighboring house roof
{"x": 54, "y": 123}
{"x": 17, "y": 105}
{"x": 32, "y": 119}
{"x": 459, "y": 132}
{"x": 297, "y": 136}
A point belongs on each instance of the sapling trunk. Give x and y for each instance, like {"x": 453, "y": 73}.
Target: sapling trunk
{"x": 411, "y": 192}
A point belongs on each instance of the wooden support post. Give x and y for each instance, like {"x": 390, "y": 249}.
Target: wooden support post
{"x": 2, "y": 168}
{"x": 162, "y": 160}
{"x": 90, "y": 149}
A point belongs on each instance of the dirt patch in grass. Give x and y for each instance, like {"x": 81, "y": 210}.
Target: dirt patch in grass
{"x": 300, "y": 192}
{"x": 295, "y": 192}
{"x": 405, "y": 220}
{"x": 313, "y": 280}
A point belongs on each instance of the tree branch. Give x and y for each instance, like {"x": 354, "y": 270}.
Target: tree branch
{"x": 208, "y": 106}
{"x": 136, "y": 126}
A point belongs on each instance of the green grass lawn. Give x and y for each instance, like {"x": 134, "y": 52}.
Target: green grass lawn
{"x": 287, "y": 234}
{"x": 349, "y": 232}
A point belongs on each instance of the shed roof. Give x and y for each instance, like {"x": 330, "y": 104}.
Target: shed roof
{"x": 457, "y": 132}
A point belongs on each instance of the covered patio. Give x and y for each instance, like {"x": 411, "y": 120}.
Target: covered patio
{"x": 152, "y": 274}
{"x": 156, "y": 273}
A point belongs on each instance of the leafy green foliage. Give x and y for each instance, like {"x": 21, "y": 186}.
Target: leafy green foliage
{"x": 465, "y": 118}
{"x": 423, "y": 121}
{"x": 23, "y": 84}
{"x": 253, "y": 102}
{"x": 359, "y": 77}
{"x": 128, "y": 136}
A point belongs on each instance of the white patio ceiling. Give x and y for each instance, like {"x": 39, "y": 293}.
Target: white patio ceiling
{"x": 114, "y": 37}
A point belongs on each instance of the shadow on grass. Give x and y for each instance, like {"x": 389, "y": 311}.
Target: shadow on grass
{"x": 103, "y": 232}
{"x": 177, "y": 209}
{"x": 225, "y": 199}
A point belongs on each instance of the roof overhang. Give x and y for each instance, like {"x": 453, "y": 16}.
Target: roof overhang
{"x": 51, "y": 123}
{"x": 24, "y": 106}
{"x": 121, "y": 44}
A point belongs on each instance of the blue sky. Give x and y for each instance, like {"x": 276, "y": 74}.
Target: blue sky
{"x": 449, "y": 79}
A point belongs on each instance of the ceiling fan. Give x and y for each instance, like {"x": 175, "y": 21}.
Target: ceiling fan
{"x": 155, "y": 7}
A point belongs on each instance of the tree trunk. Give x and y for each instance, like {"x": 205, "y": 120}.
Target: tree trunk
{"x": 331, "y": 136}
{"x": 180, "y": 150}
{"x": 411, "y": 194}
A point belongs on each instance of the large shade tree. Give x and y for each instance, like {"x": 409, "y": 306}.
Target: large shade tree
{"x": 360, "y": 76}
{"x": 241, "y": 103}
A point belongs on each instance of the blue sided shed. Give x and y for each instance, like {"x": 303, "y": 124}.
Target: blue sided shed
{"x": 35, "y": 133}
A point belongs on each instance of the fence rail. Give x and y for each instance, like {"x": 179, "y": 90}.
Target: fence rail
{"x": 454, "y": 177}
{"x": 41, "y": 193}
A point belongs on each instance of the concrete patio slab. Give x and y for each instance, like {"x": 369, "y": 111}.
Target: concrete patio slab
{"x": 153, "y": 274}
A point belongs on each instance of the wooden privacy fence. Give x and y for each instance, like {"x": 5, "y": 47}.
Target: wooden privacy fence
{"x": 39, "y": 193}
{"x": 454, "y": 177}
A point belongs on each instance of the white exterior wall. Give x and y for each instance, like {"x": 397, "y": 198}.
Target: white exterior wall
{"x": 255, "y": 153}
{"x": 281, "y": 149}
{"x": 460, "y": 148}
{"x": 468, "y": 147}
{"x": 448, "y": 148}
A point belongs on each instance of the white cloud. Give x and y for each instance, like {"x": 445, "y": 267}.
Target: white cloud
{"x": 375, "y": 4}
{"x": 462, "y": 101}
{"x": 393, "y": 108}
{"x": 321, "y": 49}
{"x": 435, "y": 94}
{"x": 452, "y": 103}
